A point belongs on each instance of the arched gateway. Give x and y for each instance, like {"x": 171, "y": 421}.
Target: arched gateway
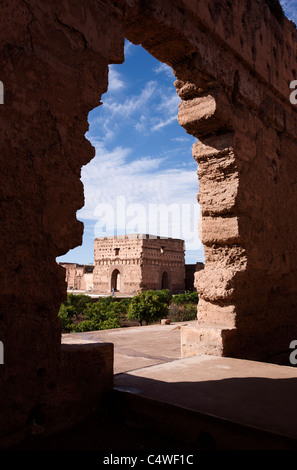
{"x": 233, "y": 63}
{"x": 116, "y": 281}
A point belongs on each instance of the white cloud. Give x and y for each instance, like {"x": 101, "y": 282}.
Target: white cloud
{"x": 164, "y": 123}
{"x": 126, "y": 190}
{"x": 132, "y": 104}
{"x": 168, "y": 109}
{"x": 124, "y": 194}
{"x": 128, "y": 48}
{"x": 154, "y": 107}
{"x": 164, "y": 68}
{"x": 180, "y": 139}
{"x": 115, "y": 80}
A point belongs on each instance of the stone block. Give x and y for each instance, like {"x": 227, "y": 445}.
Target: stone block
{"x": 196, "y": 341}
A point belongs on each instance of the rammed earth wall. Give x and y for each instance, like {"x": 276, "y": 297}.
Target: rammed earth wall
{"x": 142, "y": 262}
{"x": 233, "y": 63}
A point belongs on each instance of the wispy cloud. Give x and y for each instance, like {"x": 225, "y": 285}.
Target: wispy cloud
{"x": 115, "y": 80}
{"x": 155, "y": 199}
{"x": 133, "y": 184}
{"x": 132, "y": 104}
{"x": 164, "y": 68}
{"x": 152, "y": 108}
{"x": 128, "y": 48}
{"x": 163, "y": 123}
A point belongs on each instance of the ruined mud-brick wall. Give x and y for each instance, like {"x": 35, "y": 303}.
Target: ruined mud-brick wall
{"x": 234, "y": 62}
{"x": 141, "y": 261}
{"x": 54, "y": 67}
{"x": 163, "y": 258}
{"x": 78, "y": 276}
{"x": 70, "y": 275}
{"x": 246, "y": 147}
{"x": 122, "y": 253}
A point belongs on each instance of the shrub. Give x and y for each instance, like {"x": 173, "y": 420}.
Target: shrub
{"x": 101, "y": 315}
{"x": 71, "y": 310}
{"x": 147, "y": 306}
{"x": 125, "y": 302}
{"x": 185, "y": 312}
{"x": 164, "y": 295}
{"x": 77, "y": 303}
{"x": 65, "y": 317}
{"x": 187, "y": 297}
{"x": 79, "y": 313}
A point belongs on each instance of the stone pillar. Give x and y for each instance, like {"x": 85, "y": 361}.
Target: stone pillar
{"x": 234, "y": 62}
{"x": 246, "y": 178}
{"x": 204, "y": 114}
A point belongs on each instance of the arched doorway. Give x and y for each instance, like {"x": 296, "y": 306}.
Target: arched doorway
{"x": 116, "y": 280}
{"x": 165, "y": 281}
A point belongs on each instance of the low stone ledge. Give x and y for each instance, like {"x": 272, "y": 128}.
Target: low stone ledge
{"x": 85, "y": 376}
{"x": 197, "y": 341}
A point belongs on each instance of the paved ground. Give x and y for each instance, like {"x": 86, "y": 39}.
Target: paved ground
{"x": 259, "y": 395}
{"x": 137, "y": 347}
{"x": 148, "y": 364}
{"x": 239, "y": 403}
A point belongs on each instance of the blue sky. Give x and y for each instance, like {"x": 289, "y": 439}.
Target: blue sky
{"x": 290, "y": 9}
{"x": 143, "y": 178}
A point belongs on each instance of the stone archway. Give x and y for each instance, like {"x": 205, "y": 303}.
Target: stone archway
{"x": 233, "y": 71}
{"x": 116, "y": 280}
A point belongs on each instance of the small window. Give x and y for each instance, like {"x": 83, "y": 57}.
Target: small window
{"x": 116, "y": 251}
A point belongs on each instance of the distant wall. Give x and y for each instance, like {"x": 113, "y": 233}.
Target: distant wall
{"x": 191, "y": 272}
{"x": 78, "y": 277}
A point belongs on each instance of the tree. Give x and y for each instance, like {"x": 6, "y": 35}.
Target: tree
{"x": 72, "y": 309}
{"x": 77, "y": 303}
{"x": 102, "y": 315}
{"x": 164, "y": 295}
{"x": 187, "y": 297}
{"x": 65, "y": 317}
{"x": 147, "y": 306}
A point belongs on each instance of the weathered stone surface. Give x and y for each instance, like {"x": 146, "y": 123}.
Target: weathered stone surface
{"x": 137, "y": 262}
{"x": 233, "y": 62}
{"x": 196, "y": 341}
{"x": 216, "y": 315}
{"x": 78, "y": 277}
{"x": 54, "y": 62}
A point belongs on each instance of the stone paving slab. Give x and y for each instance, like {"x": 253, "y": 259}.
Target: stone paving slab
{"x": 249, "y": 393}
{"x": 148, "y": 364}
{"x": 136, "y": 347}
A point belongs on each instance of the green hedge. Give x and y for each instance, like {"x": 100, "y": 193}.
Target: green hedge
{"x": 80, "y": 313}
{"x": 187, "y": 297}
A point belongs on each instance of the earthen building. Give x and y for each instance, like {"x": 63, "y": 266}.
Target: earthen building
{"x": 132, "y": 263}
{"x": 79, "y": 276}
